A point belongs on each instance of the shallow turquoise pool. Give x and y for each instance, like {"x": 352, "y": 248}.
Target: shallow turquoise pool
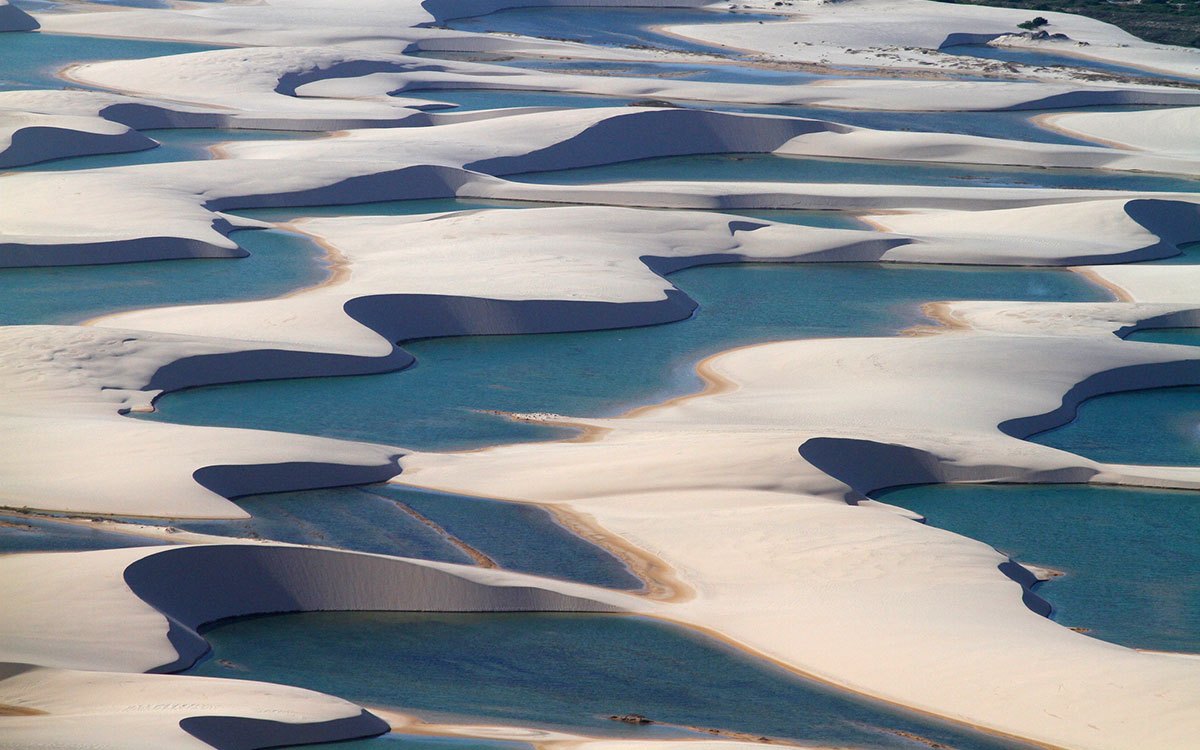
{"x": 561, "y": 671}
{"x": 1155, "y": 426}
{"x": 442, "y": 403}
{"x": 32, "y": 60}
{"x": 770, "y": 167}
{"x": 186, "y": 144}
{"x": 279, "y": 262}
{"x": 1189, "y": 255}
{"x": 1011, "y": 125}
{"x": 1130, "y": 557}
{"x": 813, "y": 218}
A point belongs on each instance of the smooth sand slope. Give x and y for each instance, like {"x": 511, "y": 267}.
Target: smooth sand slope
{"x": 745, "y": 505}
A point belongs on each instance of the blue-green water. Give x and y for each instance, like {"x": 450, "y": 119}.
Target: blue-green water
{"x": 381, "y": 208}
{"x": 1189, "y": 255}
{"x": 31, "y": 60}
{"x": 812, "y": 218}
{"x": 441, "y": 403}
{"x": 279, "y": 262}
{"x": 189, "y": 144}
{"x": 1038, "y": 57}
{"x": 369, "y": 519}
{"x": 1131, "y": 557}
{"x": 561, "y": 671}
{"x": 1159, "y": 426}
{"x": 771, "y": 167}
{"x": 1010, "y": 125}
{"x": 517, "y": 537}
{"x": 610, "y": 27}
{"x": 21, "y": 533}
{"x": 1185, "y": 336}
{"x": 715, "y": 72}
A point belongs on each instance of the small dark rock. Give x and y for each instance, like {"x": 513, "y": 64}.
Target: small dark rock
{"x": 631, "y": 719}
{"x": 653, "y": 103}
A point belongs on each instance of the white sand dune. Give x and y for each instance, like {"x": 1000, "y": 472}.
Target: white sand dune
{"x": 740, "y": 504}
{"x": 27, "y": 138}
{"x": 908, "y": 33}
{"x": 746, "y": 504}
{"x": 1160, "y": 131}
{"x": 137, "y": 610}
{"x": 170, "y": 207}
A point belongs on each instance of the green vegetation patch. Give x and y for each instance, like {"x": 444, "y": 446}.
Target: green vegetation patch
{"x": 1162, "y": 21}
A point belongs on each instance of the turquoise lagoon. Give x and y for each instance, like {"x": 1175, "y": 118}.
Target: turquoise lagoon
{"x": 1159, "y": 426}
{"x": 566, "y": 672}
{"x": 32, "y": 60}
{"x": 1156, "y": 426}
{"x": 445, "y": 402}
{"x": 184, "y": 144}
{"x": 1015, "y": 125}
{"x": 279, "y": 262}
{"x": 1129, "y": 556}
{"x": 772, "y": 167}
{"x": 813, "y": 218}
{"x": 1189, "y": 255}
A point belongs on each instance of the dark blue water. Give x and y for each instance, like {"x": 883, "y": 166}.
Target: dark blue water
{"x": 443, "y": 402}
{"x": 190, "y": 144}
{"x": 279, "y": 262}
{"x": 32, "y": 60}
{"x": 561, "y": 671}
{"x": 609, "y": 27}
{"x": 771, "y": 167}
{"x": 517, "y": 537}
{"x": 1037, "y": 57}
{"x": 1159, "y": 426}
{"x": 21, "y": 533}
{"x": 373, "y": 519}
{"x": 1131, "y": 557}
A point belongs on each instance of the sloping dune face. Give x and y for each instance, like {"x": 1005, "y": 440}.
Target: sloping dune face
{"x": 570, "y": 351}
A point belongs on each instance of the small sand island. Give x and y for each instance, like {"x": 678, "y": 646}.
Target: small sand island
{"x": 545, "y": 374}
